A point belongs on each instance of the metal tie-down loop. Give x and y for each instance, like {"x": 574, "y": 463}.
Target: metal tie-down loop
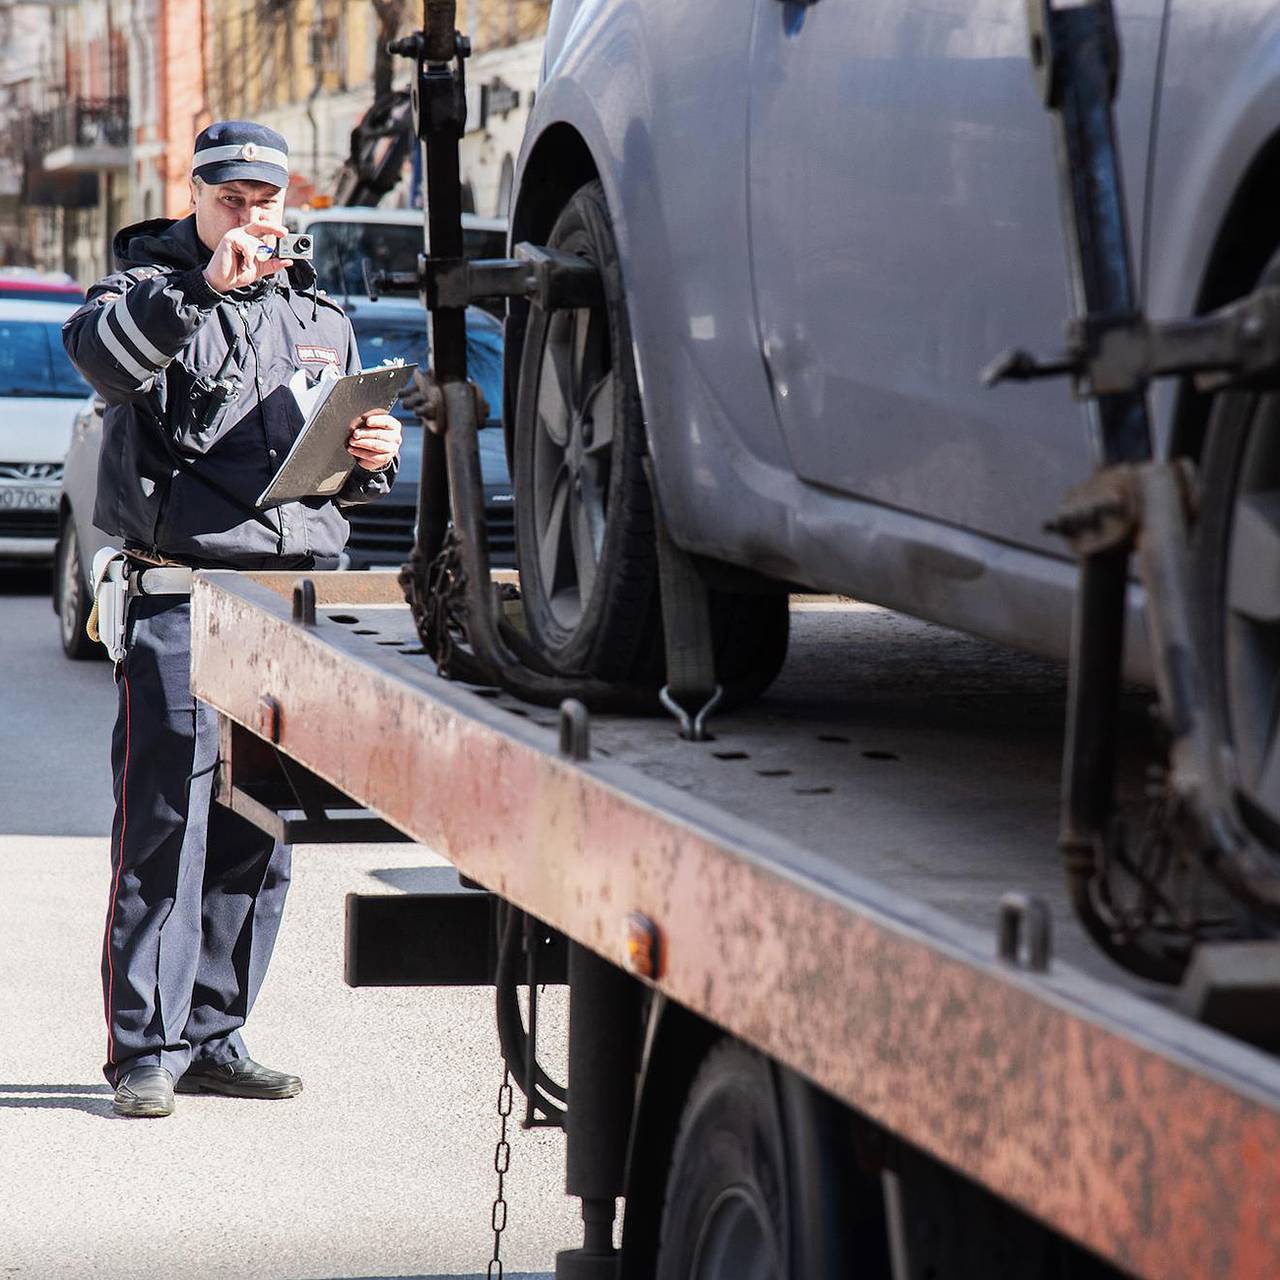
{"x": 575, "y": 730}
{"x": 1022, "y": 914}
{"x": 304, "y": 602}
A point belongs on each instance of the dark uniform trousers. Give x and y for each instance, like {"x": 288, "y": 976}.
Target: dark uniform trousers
{"x": 197, "y": 892}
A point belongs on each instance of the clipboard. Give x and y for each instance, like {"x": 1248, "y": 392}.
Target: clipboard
{"x": 318, "y": 464}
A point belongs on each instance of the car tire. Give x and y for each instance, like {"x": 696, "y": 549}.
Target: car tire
{"x": 72, "y": 597}
{"x": 763, "y": 1182}
{"x": 585, "y": 539}
{"x": 1237, "y": 564}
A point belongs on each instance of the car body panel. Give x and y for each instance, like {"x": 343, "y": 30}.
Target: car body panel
{"x": 872, "y": 321}
{"x": 80, "y": 483}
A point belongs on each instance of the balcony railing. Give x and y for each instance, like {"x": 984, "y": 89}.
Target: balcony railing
{"x": 86, "y": 134}
{"x": 90, "y": 122}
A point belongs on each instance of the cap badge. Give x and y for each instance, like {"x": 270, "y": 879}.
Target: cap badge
{"x": 248, "y": 151}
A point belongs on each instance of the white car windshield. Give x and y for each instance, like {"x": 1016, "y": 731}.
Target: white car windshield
{"x": 342, "y": 247}
{"x": 34, "y": 363}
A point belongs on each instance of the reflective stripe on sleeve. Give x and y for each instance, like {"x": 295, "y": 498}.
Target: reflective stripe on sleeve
{"x": 119, "y": 350}
{"x": 146, "y": 348}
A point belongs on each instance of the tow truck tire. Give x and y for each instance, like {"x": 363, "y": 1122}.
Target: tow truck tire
{"x": 755, "y": 1190}
{"x": 71, "y": 596}
{"x": 1237, "y": 557}
{"x": 584, "y": 516}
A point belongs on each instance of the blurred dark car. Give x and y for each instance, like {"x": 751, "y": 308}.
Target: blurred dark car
{"x": 381, "y": 531}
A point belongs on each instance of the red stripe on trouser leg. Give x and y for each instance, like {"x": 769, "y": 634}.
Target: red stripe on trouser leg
{"x": 115, "y": 887}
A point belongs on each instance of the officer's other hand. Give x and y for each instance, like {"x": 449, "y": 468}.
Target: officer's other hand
{"x": 375, "y": 440}
{"x": 235, "y": 262}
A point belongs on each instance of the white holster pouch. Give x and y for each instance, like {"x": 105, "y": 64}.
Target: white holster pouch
{"x": 110, "y": 601}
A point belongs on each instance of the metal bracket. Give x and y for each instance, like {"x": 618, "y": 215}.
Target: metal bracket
{"x": 551, "y": 278}
{"x": 1119, "y": 354}
{"x": 280, "y": 797}
{"x": 1234, "y": 987}
{"x": 445, "y": 938}
{"x": 1054, "y": 30}
{"x": 1107, "y": 511}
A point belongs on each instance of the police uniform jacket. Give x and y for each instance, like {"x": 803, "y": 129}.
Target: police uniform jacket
{"x": 181, "y": 466}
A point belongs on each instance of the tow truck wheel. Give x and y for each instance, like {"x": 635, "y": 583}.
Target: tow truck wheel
{"x": 584, "y": 516}
{"x": 1237, "y": 545}
{"x": 73, "y": 598}
{"x": 763, "y": 1185}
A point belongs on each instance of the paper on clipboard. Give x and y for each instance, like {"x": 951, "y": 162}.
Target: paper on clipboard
{"x": 318, "y": 464}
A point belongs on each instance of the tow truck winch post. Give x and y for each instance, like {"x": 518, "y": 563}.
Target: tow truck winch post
{"x": 447, "y": 579}
{"x": 1134, "y": 503}
{"x": 449, "y": 563}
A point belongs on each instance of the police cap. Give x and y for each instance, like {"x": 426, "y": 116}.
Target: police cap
{"x": 241, "y": 151}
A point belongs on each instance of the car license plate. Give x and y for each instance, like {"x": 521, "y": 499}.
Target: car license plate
{"x": 28, "y": 497}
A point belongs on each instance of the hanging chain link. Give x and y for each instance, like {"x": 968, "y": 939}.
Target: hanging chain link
{"x": 501, "y": 1163}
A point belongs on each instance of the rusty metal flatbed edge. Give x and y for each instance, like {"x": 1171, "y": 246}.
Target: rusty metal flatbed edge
{"x": 1149, "y": 1139}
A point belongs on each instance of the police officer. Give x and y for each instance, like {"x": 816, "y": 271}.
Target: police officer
{"x": 192, "y": 343}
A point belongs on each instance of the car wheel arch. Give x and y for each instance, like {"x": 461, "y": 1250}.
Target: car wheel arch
{"x": 557, "y": 164}
{"x": 1243, "y": 244}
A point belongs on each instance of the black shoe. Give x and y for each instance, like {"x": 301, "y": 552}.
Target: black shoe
{"x": 144, "y": 1092}
{"x": 239, "y": 1078}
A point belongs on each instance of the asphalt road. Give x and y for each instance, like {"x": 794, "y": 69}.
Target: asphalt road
{"x": 383, "y": 1167}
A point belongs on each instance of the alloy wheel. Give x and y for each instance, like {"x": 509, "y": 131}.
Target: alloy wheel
{"x": 573, "y": 458}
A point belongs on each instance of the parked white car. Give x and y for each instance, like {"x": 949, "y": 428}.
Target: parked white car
{"x": 40, "y": 393}
{"x": 391, "y": 239}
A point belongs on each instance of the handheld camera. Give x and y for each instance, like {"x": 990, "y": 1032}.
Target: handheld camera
{"x": 295, "y": 247}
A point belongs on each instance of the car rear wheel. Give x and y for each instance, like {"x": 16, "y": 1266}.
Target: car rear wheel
{"x": 585, "y": 541}
{"x": 73, "y": 599}
{"x": 1237, "y": 548}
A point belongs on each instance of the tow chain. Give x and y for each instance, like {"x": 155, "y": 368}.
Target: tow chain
{"x": 501, "y": 1163}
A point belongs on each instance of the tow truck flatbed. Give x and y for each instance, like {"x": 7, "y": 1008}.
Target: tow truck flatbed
{"x": 824, "y": 879}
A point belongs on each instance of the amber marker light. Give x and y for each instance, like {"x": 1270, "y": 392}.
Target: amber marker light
{"x": 643, "y": 946}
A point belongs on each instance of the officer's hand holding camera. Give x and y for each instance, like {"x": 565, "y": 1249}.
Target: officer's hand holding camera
{"x": 239, "y": 259}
